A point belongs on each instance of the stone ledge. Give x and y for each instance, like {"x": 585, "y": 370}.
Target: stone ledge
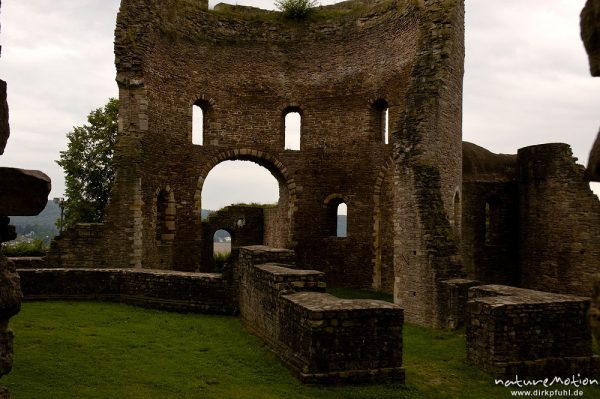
{"x": 327, "y": 303}
{"x": 513, "y": 331}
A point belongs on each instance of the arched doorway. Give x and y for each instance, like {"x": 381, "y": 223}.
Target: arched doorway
{"x": 254, "y": 198}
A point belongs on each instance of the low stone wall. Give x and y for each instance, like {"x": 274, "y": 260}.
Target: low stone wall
{"x": 532, "y": 334}
{"x": 80, "y": 246}
{"x": 29, "y": 262}
{"x": 320, "y": 338}
{"x": 454, "y": 295}
{"x": 166, "y": 290}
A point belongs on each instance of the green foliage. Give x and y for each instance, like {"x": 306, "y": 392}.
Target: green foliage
{"x": 353, "y": 293}
{"x": 34, "y": 248}
{"x": 296, "y": 9}
{"x": 88, "y": 165}
{"x": 42, "y": 226}
{"x": 220, "y": 260}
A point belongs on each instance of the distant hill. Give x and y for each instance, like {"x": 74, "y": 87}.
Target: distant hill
{"x": 42, "y": 226}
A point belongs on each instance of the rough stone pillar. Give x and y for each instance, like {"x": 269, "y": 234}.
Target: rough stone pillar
{"x": 590, "y": 33}
{"x": 24, "y": 193}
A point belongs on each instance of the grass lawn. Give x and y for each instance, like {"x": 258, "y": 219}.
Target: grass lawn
{"x": 104, "y": 350}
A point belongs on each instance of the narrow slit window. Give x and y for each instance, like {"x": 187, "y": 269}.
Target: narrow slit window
{"x": 197, "y": 125}
{"x": 293, "y": 123}
{"x": 342, "y": 220}
{"x": 492, "y": 226}
{"x": 381, "y": 121}
{"x": 385, "y": 127}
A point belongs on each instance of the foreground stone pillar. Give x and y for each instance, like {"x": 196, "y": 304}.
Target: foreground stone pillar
{"x": 10, "y": 303}
{"x": 590, "y": 34}
{"x": 25, "y": 193}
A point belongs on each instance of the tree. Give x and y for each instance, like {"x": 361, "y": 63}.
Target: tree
{"x": 295, "y": 9}
{"x": 88, "y": 165}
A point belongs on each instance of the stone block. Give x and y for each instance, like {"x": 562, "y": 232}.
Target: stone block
{"x": 530, "y": 333}
{"x": 24, "y": 192}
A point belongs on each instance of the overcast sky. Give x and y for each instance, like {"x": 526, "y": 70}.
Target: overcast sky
{"x": 526, "y": 82}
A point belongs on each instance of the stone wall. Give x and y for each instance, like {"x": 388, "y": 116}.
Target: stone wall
{"x": 159, "y": 289}
{"x": 427, "y": 151}
{"x": 529, "y": 220}
{"x": 245, "y": 225}
{"x": 490, "y": 224}
{"x": 246, "y": 68}
{"x": 10, "y": 304}
{"x": 320, "y": 338}
{"x": 559, "y": 219}
{"x": 81, "y": 246}
{"x": 532, "y": 334}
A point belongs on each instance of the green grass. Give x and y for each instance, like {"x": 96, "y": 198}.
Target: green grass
{"x": 100, "y": 350}
{"x": 353, "y": 293}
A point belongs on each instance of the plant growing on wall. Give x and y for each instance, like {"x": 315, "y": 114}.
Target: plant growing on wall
{"x": 296, "y": 9}
{"x": 88, "y": 165}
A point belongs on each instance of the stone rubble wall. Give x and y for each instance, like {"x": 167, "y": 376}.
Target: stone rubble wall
{"x": 80, "y": 246}
{"x": 454, "y": 294}
{"x": 590, "y": 33}
{"x": 247, "y": 68}
{"x": 320, "y": 338}
{"x": 10, "y": 304}
{"x": 513, "y": 331}
{"x": 559, "y": 222}
{"x": 427, "y": 151}
{"x": 158, "y": 289}
{"x": 543, "y": 224}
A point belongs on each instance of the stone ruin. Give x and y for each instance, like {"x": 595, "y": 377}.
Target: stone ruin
{"x": 590, "y": 33}
{"x": 430, "y": 218}
{"x": 24, "y": 192}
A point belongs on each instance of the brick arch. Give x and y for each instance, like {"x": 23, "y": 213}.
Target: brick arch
{"x": 377, "y": 250}
{"x": 264, "y": 159}
{"x": 335, "y": 196}
{"x": 164, "y": 225}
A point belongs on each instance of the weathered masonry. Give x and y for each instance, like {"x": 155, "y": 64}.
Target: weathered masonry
{"x": 518, "y": 332}
{"x": 320, "y": 338}
{"x": 378, "y": 88}
{"x": 529, "y": 219}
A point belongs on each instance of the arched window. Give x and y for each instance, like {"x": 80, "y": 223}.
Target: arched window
{"x": 292, "y": 128}
{"x": 381, "y": 120}
{"x": 336, "y": 223}
{"x": 221, "y": 243}
{"x": 199, "y": 110}
{"x": 165, "y": 216}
